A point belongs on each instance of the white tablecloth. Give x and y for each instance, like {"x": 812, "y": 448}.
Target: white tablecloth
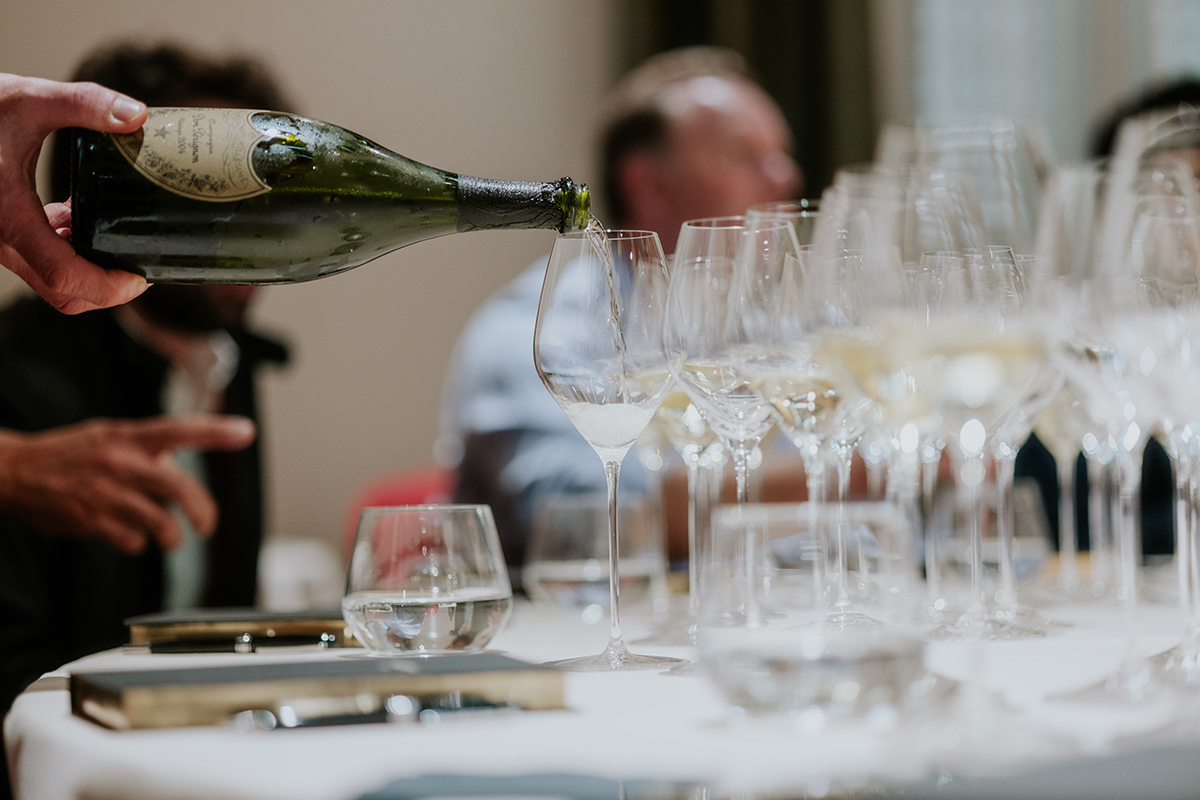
{"x": 635, "y": 725}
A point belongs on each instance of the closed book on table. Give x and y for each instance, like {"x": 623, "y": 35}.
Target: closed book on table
{"x": 164, "y": 698}
{"x": 230, "y": 624}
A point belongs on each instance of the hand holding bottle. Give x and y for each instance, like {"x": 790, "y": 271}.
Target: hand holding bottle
{"x": 33, "y": 240}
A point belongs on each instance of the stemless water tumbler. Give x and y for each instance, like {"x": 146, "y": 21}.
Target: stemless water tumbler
{"x": 426, "y": 579}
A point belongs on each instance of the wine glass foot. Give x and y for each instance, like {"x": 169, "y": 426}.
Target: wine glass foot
{"x": 848, "y": 618}
{"x": 680, "y": 633}
{"x": 687, "y": 668}
{"x": 1034, "y": 619}
{"x": 940, "y": 612}
{"x": 970, "y": 627}
{"x": 1060, "y": 592}
{"x": 1136, "y": 682}
{"x": 1180, "y": 666}
{"x": 616, "y": 657}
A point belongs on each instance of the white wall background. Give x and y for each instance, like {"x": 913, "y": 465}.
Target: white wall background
{"x": 493, "y": 88}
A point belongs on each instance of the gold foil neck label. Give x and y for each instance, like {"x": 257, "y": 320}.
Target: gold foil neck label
{"x": 201, "y": 153}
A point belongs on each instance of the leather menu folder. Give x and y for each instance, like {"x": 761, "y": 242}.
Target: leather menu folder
{"x": 165, "y": 698}
{"x": 230, "y": 624}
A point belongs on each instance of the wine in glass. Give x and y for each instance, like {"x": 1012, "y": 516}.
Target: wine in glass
{"x": 598, "y": 349}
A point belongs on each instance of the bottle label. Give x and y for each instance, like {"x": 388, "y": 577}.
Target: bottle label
{"x": 201, "y": 153}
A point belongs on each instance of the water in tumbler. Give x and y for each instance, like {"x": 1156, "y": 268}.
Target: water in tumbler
{"x": 407, "y": 622}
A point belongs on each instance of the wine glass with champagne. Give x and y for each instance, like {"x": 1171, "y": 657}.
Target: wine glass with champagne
{"x": 598, "y": 350}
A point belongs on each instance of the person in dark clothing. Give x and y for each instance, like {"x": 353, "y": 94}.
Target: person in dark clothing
{"x": 105, "y": 415}
{"x": 64, "y": 597}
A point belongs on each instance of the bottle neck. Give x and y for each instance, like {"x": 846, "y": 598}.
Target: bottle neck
{"x": 485, "y": 204}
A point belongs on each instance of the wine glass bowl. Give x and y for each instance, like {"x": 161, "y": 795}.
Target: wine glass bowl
{"x": 802, "y": 214}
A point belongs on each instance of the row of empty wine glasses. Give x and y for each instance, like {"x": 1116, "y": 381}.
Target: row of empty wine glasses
{"x": 850, "y": 341}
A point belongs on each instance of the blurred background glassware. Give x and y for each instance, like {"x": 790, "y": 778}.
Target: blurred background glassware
{"x": 941, "y": 213}
{"x": 566, "y": 561}
{"x": 789, "y": 665}
{"x": 426, "y": 579}
{"x": 1007, "y": 163}
{"x": 837, "y": 291}
{"x": 1153, "y": 157}
{"x": 862, "y": 213}
{"x": 1164, "y": 243}
{"x": 805, "y": 405}
{"x": 1132, "y": 363}
{"x": 598, "y": 348}
{"x": 1004, "y": 443}
{"x": 995, "y": 370}
{"x": 833, "y": 674}
{"x": 803, "y": 214}
{"x": 1069, "y": 222}
{"x": 680, "y": 422}
{"x": 959, "y": 365}
{"x": 800, "y": 561}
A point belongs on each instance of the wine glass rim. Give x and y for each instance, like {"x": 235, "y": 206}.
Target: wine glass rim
{"x": 957, "y": 122}
{"x": 733, "y": 221}
{"x": 614, "y": 233}
{"x": 803, "y": 206}
{"x": 424, "y": 507}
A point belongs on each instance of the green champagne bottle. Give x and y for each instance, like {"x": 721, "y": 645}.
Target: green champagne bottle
{"x": 203, "y": 195}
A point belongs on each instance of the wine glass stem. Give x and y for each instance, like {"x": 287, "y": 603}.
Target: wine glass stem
{"x": 741, "y": 471}
{"x": 972, "y": 478}
{"x": 843, "y": 494}
{"x": 814, "y": 471}
{"x": 611, "y": 469}
{"x": 1183, "y": 538}
{"x": 1193, "y": 551}
{"x": 1068, "y": 566}
{"x": 1129, "y": 480}
{"x": 1005, "y": 467}
{"x": 753, "y": 577}
{"x": 695, "y": 514}
{"x": 1099, "y": 529}
{"x": 929, "y": 476}
{"x": 1129, "y": 547}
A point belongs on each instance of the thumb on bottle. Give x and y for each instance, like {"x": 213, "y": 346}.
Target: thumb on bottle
{"x": 83, "y": 105}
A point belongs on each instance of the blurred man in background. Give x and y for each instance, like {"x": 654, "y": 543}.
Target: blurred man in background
{"x": 97, "y": 404}
{"x": 686, "y": 135}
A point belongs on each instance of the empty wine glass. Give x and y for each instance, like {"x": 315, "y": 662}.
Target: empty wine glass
{"x": 803, "y": 214}
{"x": 991, "y": 360}
{"x": 941, "y": 213}
{"x": 1006, "y": 162}
{"x": 598, "y": 349}
{"x": 837, "y": 292}
{"x": 1129, "y": 361}
{"x": 722, "y": 267}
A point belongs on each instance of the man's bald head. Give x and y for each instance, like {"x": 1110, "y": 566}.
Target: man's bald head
{"x": 688, "y": 135}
